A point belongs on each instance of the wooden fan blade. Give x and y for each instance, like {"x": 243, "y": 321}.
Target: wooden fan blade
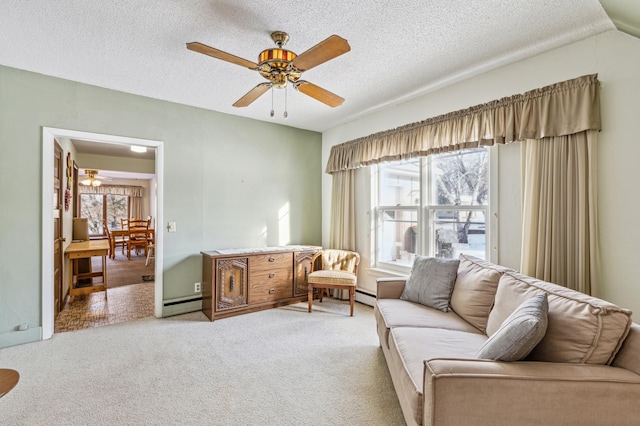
{"x": 252, "y": 95}
{"x": 219, "y": 54}
{"x": 318, "y": 93}
{"x": 324, "y": 51}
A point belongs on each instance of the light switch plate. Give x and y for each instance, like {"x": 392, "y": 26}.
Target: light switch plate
{"x": 171, "y": 227}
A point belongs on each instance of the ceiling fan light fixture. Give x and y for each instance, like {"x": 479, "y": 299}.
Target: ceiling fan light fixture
{"x": 280, "y": 66}
{"x": 276, "y": 56}
{"x": 91, "y": 178}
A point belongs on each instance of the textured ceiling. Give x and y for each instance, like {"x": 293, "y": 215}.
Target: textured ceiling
{"x": 399, "y": 49}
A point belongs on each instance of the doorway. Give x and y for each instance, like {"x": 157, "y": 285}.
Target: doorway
{"x": 48, "y": 137}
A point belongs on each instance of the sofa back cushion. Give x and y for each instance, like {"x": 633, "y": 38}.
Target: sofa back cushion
{"x": 475, "y": 289}
{"x": 581, "y": 328}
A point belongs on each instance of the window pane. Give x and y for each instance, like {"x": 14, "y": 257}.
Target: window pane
{"x": 399, "y": 184}
{"x": 459, "y": 231}
{"x": 117, "y": 208}
{"x": 460, "y": 178}
{"x": 397, "y": 236}
{"x": 91, "y": 208}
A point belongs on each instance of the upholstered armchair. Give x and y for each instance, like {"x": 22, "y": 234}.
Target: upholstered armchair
{"x": 333, "y": 269}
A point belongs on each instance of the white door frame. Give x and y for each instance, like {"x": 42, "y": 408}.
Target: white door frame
{"x": 48, "y": 136}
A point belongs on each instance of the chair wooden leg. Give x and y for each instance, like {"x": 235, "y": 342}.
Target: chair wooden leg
{"x": 320, "y": 294}
{"x": 352, "y": 298}
{"x": 310, "y": 295}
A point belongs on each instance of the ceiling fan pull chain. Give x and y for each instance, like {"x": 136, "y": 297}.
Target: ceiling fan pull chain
{"x": 272, "y": 111}
{"x": 286, "y": 114}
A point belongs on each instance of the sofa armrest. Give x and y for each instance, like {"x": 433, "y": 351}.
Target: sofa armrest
{"x": 390, "y": 287}
{"x": 482, "y": 392}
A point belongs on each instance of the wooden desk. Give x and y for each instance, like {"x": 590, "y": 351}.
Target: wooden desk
{"x": 82, "y": 250}
{"x": 8, "y": 380}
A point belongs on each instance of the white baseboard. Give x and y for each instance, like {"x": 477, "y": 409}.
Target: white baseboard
{"x": 13, "y": 338}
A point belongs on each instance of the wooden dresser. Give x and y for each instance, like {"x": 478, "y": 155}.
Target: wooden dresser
{"x": 238, "y": 281}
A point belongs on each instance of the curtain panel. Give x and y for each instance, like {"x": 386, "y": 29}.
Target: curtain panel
{"x": 560, "y": 220}
{"x": 560, "y": 109}
{"x": 131, "y": 191}
{"x": 343, "y": 218}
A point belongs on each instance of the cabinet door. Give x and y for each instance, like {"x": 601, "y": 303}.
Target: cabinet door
{"x": 302, "y": 267}
{"x": 231, "y": 283}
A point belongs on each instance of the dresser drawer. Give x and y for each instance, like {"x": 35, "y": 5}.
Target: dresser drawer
{"x": 271, "y": 277}
{"x": 270, "y": 262}
{"x": 270, "y": 287}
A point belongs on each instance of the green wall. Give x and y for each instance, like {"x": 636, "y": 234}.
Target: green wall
{"x": 228, "y": 181}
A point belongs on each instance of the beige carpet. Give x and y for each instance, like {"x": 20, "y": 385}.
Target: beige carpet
{"x": 278, "y": 367}
{"x": 121, "y": 271}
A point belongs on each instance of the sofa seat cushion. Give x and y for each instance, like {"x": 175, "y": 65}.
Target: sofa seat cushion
{"x": 475, "y": 288}
{"x": 410, "y": 347}
{"x": 401, "y": 313}
{"x": 581, "y": 328}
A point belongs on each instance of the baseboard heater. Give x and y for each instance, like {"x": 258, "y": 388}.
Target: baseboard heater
{"x": 181, "y": 305}
{"x": 365, "y": 297}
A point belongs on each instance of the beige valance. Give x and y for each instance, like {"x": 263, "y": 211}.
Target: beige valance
{"x": 560, "y": 109}
{"x": 131, "y": 191}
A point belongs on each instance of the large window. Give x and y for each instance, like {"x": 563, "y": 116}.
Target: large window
{"x": 432, "y": 206}
{"x": 96, "y": 207}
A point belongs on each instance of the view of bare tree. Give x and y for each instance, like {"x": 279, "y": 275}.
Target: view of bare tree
{"x": 462, "y": 179}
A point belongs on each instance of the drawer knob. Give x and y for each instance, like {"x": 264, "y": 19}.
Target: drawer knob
{"x": 272, "y": 290}
{"x": 272, "y": 259}
{"x": 271, "y": 275}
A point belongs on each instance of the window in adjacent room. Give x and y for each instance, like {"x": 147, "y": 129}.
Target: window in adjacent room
{"x": 431, "y": 206}
{"x": 96, "y": 207}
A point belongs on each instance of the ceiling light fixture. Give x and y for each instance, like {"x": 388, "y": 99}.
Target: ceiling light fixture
{"x": 137, "y": 148}
{"x": 91, "y": 179}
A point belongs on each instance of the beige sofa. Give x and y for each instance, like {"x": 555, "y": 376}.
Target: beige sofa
{"x": 586, "y": 369}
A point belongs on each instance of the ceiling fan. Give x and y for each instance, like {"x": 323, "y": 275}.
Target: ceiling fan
{"x": 281, "y": 66}
{"x": 91, "y": 178}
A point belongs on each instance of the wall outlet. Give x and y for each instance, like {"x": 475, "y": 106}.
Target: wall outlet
{"x": 197, "y": 288}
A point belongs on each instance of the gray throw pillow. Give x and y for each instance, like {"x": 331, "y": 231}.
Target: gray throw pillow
{"x": 519, "y": 333}
{"x": 431, "y": 282}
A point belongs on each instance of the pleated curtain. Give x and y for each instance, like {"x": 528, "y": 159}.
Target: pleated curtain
{"x": 342, "y": 233}
{"x": 560, "y": 223}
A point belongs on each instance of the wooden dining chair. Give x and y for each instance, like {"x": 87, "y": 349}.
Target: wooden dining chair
{"x": 120, "y": 239}
{"x": 138, "y": 236}
{"x": 111, "y": 253}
